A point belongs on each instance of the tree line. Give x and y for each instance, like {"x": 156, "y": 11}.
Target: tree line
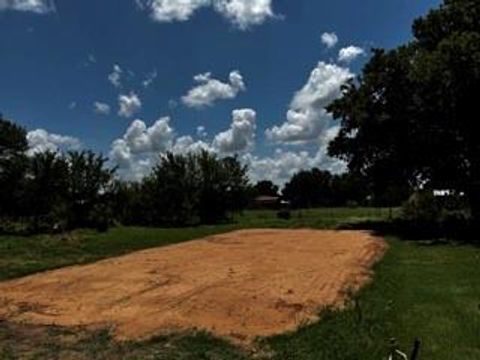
{"x": 54, "y": 191}
{"x": 320, "y": 188}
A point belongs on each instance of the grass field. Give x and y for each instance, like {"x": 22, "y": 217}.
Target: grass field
{"x": 419, "y": 290}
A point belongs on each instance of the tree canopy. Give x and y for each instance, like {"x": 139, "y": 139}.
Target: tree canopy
{"x": 408, "y": 120}
{"x": 13, "y": 164}
{"x": 266, "y": 188}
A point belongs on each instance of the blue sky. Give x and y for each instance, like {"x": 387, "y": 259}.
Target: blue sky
{"x": 78, "y": 73}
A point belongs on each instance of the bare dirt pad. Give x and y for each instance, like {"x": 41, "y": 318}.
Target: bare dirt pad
{"x": 239, "y": 285}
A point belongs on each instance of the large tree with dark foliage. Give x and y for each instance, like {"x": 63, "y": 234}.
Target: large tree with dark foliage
{"x": 266, "y": 188}
{"x": 375, "y": 138}
{"x": 45, "y": 190}
{"x": 89, "y": 183}
{"x": 309, "y": 189}
{"x": 194, "y": 188}
{"x": 317, "y": 188}
{"x": 69, "y": 191}
{"x": 409, "y": 119}
{"x": 13, "y": 164}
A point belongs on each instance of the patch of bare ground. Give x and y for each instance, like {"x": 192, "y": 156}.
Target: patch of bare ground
{"x": 238, "y": 285}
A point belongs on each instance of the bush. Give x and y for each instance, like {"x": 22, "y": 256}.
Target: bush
{"x": 284, "y": 215}
{"x": 427, "y": 216}
{"x": 101, "y": 217}
{"x": 455, "y": 223}
{"x": 422, "y": 207}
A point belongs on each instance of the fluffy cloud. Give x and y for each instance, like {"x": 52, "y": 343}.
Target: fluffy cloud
{"x": 329, "y": 39}
{"x": 242, "y": 13}
{"x": 186, "y": 144}
{"x": 350, "y": 53}
{"x": 156, "y": 138}
{"x": 210, "y": 90}
{"x": 101, "y": 108}
{"x": 241, "y": 135}
{"x": 307, "y": 118}
{"x": 129, "y": 105}
{"x": 35, "y": 6}
{"x": 172, "y": 10}
{"x": 41, "y": 140}
{"x": 136, "y": 152}
{"x": 280, "y": 167}
{"x": 245, "y": 13}
{"x": 115, "y": 76}
{"x": 284, "y": 164}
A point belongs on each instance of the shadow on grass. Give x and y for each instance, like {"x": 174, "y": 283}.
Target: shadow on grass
{"x": 426, "y": 233}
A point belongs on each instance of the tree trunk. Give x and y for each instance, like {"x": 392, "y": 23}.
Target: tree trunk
{"x": 474, "y": 201}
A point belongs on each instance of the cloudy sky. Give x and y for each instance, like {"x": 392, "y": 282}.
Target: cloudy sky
{"x": 132, "y": 78}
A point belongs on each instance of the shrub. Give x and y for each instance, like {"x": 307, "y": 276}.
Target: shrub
{"x": 284, "y": 215}
{"x": 422, "y": 207}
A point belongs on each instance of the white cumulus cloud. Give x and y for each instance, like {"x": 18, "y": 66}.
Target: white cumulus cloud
{"x": 329, "y": 39}
{"x": 245, "y": 13}
{"x": 307, "y": 118}
{"x": 209, "y": 90}
{"x": 35, "y": 6}
{"x": 241, "y": 13}
{"x": 284, "y": 164}
{"x": 187, "y": 144}
{"x": 137, "y": 150}
{"x": 241, "y": 135}
{"x": 172, "y": 10}
{"x": 129, "y": 104}
{"x": 280, "y": 167}
{"x": 40, "y": 140}
{"x": 350, "y": 53}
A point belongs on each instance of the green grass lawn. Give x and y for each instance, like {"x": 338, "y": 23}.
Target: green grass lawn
{"x": 426, "y": 291}
{"x": 20, "y": 256}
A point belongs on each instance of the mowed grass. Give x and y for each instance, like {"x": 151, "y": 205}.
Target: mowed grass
{"x": 427, "y": 291}
{"x": 21, "y": 256}
{"x": 430, "y": 292}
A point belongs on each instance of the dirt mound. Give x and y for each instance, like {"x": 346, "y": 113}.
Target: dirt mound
{"x": 239, "y": 285}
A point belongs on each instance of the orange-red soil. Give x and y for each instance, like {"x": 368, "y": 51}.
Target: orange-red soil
{"x": 239, "y": 285}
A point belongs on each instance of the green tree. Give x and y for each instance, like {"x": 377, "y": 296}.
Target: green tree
{"x": 309, "y": 189}
{"x": 173, "y": 186}
{"x": 194, "y": 188}
{"x": 89, "y": 184}
{"x": 408, "y": 119}
{"x": 447, "y": 73}
{"x": 13, "y": 165}
{"x": 266, "y": 188}
{"x": 46, "y": 188}
{"x": 237, "y": 185}
{"x": 377, "y": 125}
